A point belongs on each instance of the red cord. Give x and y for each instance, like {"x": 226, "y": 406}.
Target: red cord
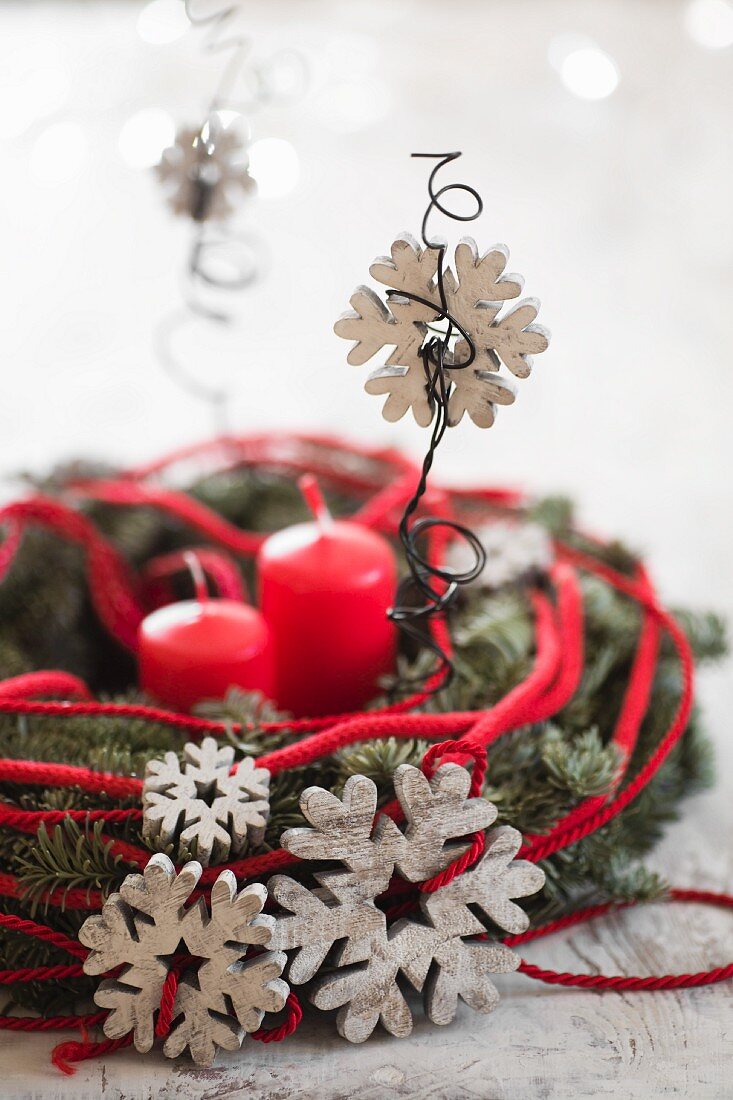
{"x": 64, "y": 1055}
{"x": 111, "y": 583}
{"x": 74, "y": 898}
{"x": 36, "y": 772}
{"x": 33, "y": 685}
{"x": 623, "y": 982}
{"x": 49, "y": 1023}
{"x": 41, "y": 973}
{"x": 537, "y": 848}
{"x": 457, "y": 752}
{"x": 28, "y": 821}
{"x": 37, "y": 931}
{"x": 168, "y": 1001}
{"x": 277, "y": 1034}
{"x": 218, "y": 566}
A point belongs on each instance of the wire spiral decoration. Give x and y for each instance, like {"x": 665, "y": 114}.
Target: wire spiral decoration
{"x": 437, "y": 585}
{"x": 222, "y": 262}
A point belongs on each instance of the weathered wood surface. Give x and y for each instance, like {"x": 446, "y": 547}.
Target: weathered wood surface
{"x": 474, "y": 295}
{"x": 541, "y": 1041}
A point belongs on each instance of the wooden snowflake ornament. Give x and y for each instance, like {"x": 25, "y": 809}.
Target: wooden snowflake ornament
{"x": 205, "y": 807}
{"x": 339, "y": 918}
{"x": 221, "y": 995}
{"x": 421, "y": 296}
{"x": 205, "y": 171}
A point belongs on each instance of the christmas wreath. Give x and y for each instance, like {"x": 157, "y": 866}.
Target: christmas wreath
{"x": 568, "y": 719}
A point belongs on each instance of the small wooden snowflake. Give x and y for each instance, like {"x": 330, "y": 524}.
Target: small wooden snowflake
{"x": 205, "y": 806}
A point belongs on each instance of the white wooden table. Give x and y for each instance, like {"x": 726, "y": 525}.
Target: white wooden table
{"x": 618, "y": 212}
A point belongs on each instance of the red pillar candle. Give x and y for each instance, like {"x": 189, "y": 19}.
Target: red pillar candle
{"x": 197, "y": 649}
{"x": 325, "y": 589}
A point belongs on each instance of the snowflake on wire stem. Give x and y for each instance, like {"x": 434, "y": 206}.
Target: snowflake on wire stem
{"x": 464, "y": 308}
{"x": 449, "y": 338}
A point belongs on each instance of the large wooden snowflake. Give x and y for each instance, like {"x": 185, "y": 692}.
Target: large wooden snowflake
{"x": 339, "y": 920}
{"x": 475, "y": 295}
{"x": 222, "y": 992}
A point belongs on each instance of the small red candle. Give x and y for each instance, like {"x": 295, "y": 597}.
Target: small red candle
{"x": 197, "y": 649}
{"x": 325, "y": 589}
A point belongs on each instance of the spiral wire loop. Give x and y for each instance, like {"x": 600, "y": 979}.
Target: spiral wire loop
{"x": 437, "y": 585}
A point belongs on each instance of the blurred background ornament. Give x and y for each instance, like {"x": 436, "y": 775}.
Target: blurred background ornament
{"x": 206, "y": 170}
{"x": 206, "y": 175}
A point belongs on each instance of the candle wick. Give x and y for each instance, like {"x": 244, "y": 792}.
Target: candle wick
{"x": 193, "y": 564}
{"x": 314, "y": 498}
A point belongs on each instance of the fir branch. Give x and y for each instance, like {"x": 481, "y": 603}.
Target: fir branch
{"x": 69, "y": 858}
{"x": 584, "y": 767}
{"x": 248, "y": 709}
{"x": 706, "y": 632}
{"x": 378, "y": 760}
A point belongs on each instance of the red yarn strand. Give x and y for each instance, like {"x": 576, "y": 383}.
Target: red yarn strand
{"x": 620, "y": 983}
{"x": 25, "y": 927}
{"x": 65, "y": 1055}
{"x": 289, "y": 1025}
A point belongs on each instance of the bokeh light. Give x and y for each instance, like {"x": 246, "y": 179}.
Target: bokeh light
{"x": 585, "y": 69}
{"x": 59, "y": 154}
{"x": 162, "y": 21}
{"x": 144, "y": 137}
{"x": 274, "y": 164}
{"x": 710, "y": 23}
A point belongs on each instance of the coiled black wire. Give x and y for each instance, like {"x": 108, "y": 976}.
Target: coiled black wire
{"x": 424, "y": 576}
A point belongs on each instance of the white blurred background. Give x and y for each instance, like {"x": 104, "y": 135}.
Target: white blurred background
{"x": 598, "y": 133}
